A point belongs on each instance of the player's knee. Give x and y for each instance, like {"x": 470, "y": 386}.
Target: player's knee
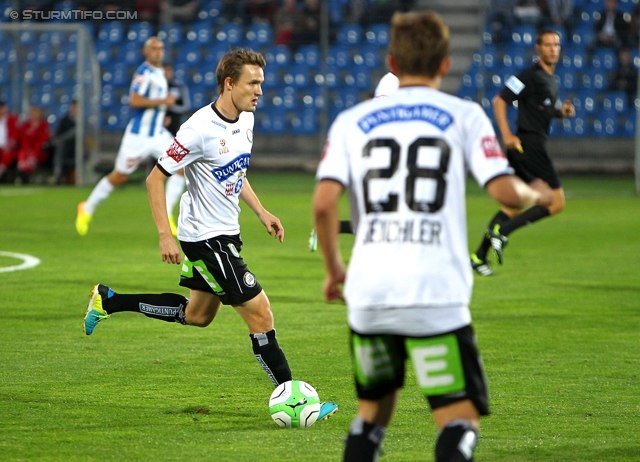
{"x": 456, "y": 442}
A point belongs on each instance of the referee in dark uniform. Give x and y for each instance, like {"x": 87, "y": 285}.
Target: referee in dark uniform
{"x": 536, "y": 91}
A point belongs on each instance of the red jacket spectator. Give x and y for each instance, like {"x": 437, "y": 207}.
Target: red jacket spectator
{"x": 9, "y": 131}
{"x": 33, "y": 141}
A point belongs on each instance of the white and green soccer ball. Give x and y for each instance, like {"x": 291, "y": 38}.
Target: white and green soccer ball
{"x": 294, "y": 404}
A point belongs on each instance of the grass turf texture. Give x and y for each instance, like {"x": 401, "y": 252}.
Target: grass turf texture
{"x": 557, "y": 326}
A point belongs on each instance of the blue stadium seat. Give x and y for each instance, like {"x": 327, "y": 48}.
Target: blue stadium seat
{"x": 604, "y": 59}
{"x": 213, "y": 8}
{"x": 171, "y": 34}
{"x": 304, "y": 122}
{"x": 628, "y": 129}
{"x": 296, "y": 76}
{"x": 594, "y": 79}
{"x": 349, "y": 35}
{"x": 213, "y": 54}
{"x": 199, "y": 98}
{"x": 495, "y": 79}
{"x": 190, "y": 54}
{"x": 331, "y": 79}
{"x": 273, "y": 120}
{"x": 516, "y": 56}
{"x": 308, "y": 55}
{"x": 566, "y": 79}
{"x": 131, "y": 54}
{"x": 104, "y": 53}
{"x": 605, "y": 124}
{"x": 201, "y": 32}
{"x": 258, "y": 36}
{"x": 627, "y": 6}
{"x": 5, "y": 9}
{"x": 112, "y": 31}
{"x": 615, "y": 101}
{"x": 474, "y": 79}
{"x": 32, "y": 74}
{"x": 271, "y": 78}
{"x": 339, "y": 56}
{"x": 574, "y": 58}
{"x": 285, "y": 98}
{"x": 231, "y": 34}
{"x": 524, "y": 35}
{"x": 583, "y": 35}
{"x": 358, "y": 77}
{"x": 312, "y": 98}
{"x": 490, "y": 57}
{"x": 345, "y": 98}
{"x": 139, "y": 32}
{"x": 5, "y": 73}
{"x": 377, "y": 34}
{"x": 467, "y": 93}
{"x": 278, "y": 55}
{"x": 368, "y": 57}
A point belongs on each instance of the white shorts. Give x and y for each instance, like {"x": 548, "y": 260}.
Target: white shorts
{"x": 136, "y": 148}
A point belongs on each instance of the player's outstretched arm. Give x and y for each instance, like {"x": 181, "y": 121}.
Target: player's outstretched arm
{"x": 270, "y": 221}
{"x": 155, "y": 189}
{"x": 325, "y": 209}
{"x": 511, "y": 191}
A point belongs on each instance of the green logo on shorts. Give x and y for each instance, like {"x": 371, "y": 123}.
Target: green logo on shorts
{"x": 187, "y": 272}
{"x": 373, "y": 361}
{"x": 437, "y": 364}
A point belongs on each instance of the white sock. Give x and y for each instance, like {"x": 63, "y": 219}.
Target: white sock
{"x": 174, "y": 189}
{"x": 102, "y": 190}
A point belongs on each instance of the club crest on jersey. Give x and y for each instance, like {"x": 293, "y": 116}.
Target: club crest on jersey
{"x": 491, "y": 147}
{"x": 239, "y": 164}
{"x": 177, "y": 151}
{"x": 250, "y": 135}
{"x": 249, "y": 279}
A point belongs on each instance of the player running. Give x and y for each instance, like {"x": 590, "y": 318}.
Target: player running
{"x": 213, "y": 147}
{"x": 404, "y": 159}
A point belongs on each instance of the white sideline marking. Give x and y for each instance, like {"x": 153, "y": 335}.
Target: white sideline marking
{"x": 27, "y": 261}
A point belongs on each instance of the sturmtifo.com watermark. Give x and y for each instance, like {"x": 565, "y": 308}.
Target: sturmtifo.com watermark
{"x": 72, "y": 15}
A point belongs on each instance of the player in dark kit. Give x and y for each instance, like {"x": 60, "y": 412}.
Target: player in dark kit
{"x": 536, "y": 91}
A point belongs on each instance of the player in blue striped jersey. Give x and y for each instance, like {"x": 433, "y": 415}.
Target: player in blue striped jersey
{"x": 144, "y": 136}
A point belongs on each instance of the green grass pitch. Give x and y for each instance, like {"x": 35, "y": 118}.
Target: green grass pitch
{"x": 558, "y": 328}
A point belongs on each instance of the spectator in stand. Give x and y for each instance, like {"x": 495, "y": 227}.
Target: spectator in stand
{"x": 307, "y": 28}
{"x": 179, "y": 10}
{"x": 379, "y": 11}
{"x": 284, "y": 22}
{"x": 611, "y": 29}
{"x": 501, "y": 19}
{"x": 625, "y": 77}
{"x": 9, "y": 130}
{"x": 64, "y": 147}
{"x": 149, "y": 11}
{"x": 561, "y": 12}
{"x": 33, "y": 144}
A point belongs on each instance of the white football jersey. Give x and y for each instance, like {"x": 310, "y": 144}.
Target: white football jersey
{"x": 215, "y": 153}
{"x": 404, "y": 159}
{"x": 388, "y": 85}
{"x": 150, "y": 82}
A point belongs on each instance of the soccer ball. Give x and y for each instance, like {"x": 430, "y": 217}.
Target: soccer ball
{"x": 294, "y": 404}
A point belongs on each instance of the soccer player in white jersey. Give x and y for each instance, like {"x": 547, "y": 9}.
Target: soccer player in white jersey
{"x": 387, "y": 85}
{"x": 213, "y": 147}
{"x": 144, "y": 136}
{"x": 404, "y": 160}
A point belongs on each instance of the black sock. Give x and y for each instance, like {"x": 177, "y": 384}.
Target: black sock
{"x": 271, "y": 357}
{"x": 535, "y": 213}
{"x": 166, "y": 307}
{"x": 345, "y": 227}
{"x": 498, "y": 219}
{"x": 456, "y": 442}
{"x": 363, "y": 441}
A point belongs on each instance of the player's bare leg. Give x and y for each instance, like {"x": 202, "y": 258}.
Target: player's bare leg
{"x": 368, "y": 428}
